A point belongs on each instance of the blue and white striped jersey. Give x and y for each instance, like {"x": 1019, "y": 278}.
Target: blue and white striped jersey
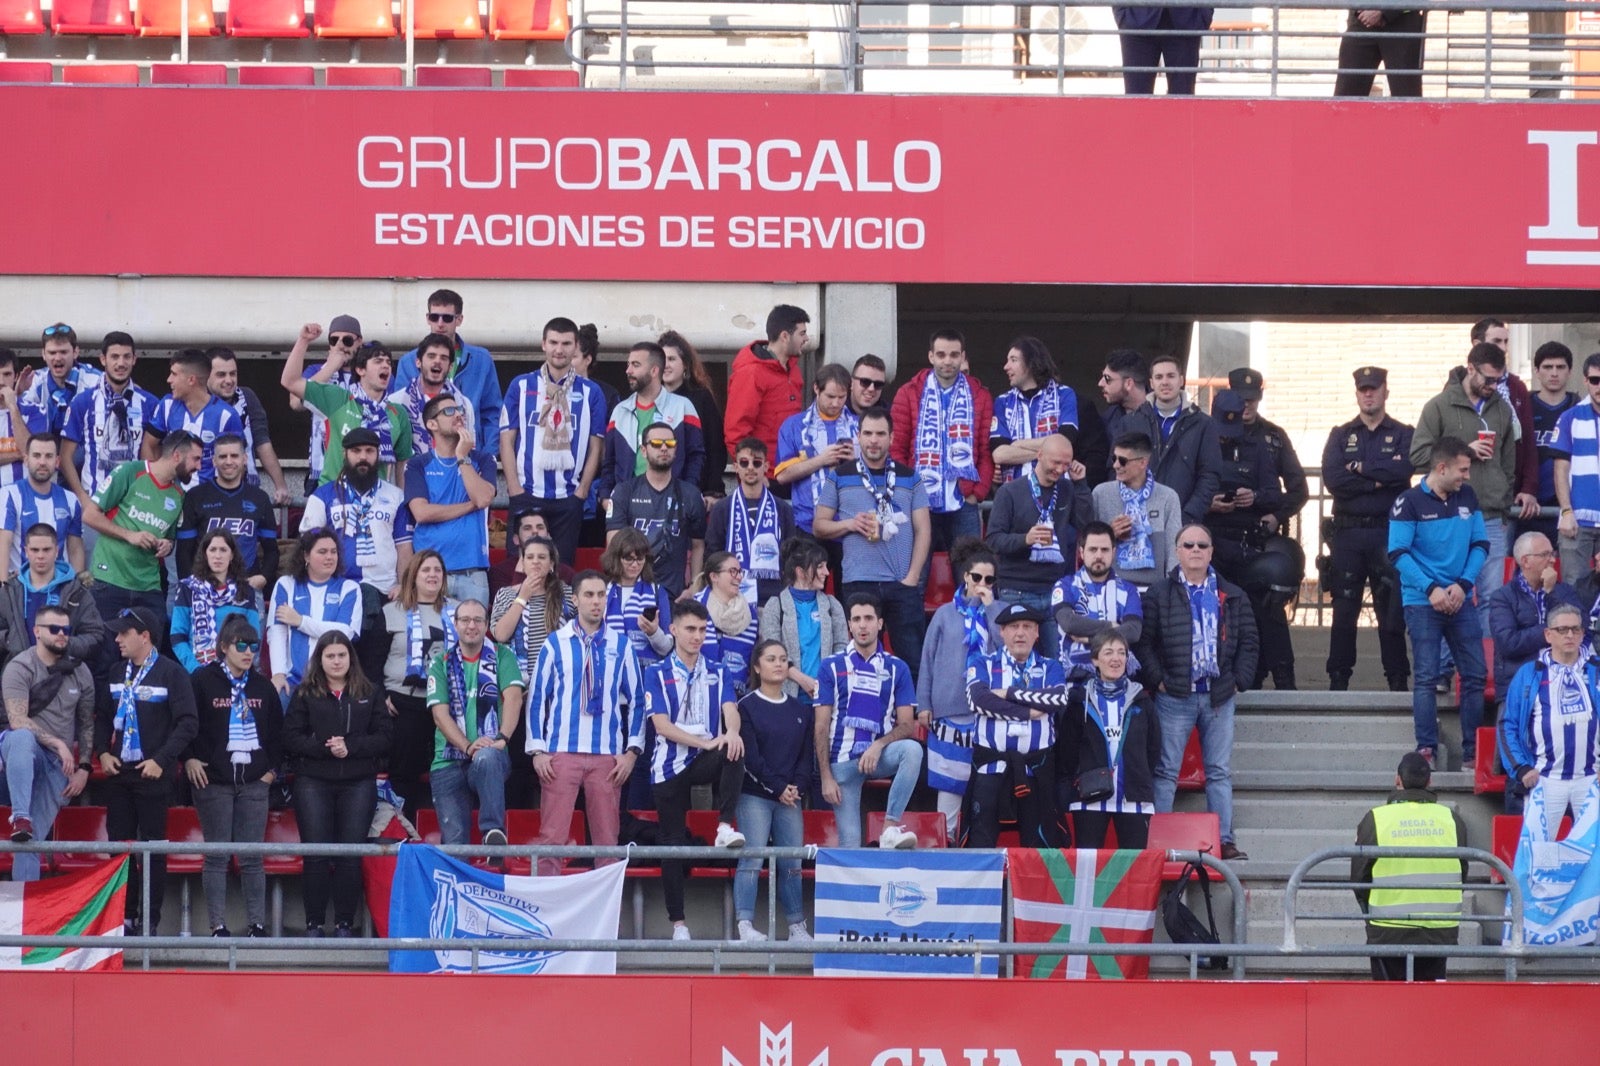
{"x": 213, "y": 420}
{"x": 999, "y": 670}
{"x": 108, "y": 431}
{"x": 735, "y": 652}
{"x": 334, "y": 605}
{"x": 562, "y": 717}
{"x": 864, "y": 695}
{"x": 696, "y": 709}
{"x": 553, "y": 474}
{"x": 22, "y": 508}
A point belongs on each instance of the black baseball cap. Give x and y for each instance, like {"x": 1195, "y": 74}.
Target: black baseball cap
{"x": 140, "y": 618}
{"x": 1018, "y": 612}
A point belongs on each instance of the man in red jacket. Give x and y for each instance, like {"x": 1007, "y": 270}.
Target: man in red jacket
{"x": 941, "y": 430}
{"x": 765, "y": 383}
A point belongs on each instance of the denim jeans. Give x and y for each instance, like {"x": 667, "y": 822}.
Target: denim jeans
{"x": 1493, "y": 574}
{"x": 33, "y": 779}
{"x": 949, "y": 526}
{"x": 467, "y": 585}
{"x": 905, "y": 622}
{"x": 236, "y": 813}
{"x": 454, "y": 785}
{"x": 1178, "y": 717}
{"x": 902, "y": 761}
{"x": 763, "y": 820}
{"x": 1039, "y": 600}
{"x": 1463, "y": 632}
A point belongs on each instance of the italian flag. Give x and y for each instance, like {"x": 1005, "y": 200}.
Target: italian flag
{"x": 1084, "y": 897}
{"x": 86, "y": 903}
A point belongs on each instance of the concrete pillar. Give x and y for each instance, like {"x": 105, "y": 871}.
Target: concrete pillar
{"x": 857, "y": 319}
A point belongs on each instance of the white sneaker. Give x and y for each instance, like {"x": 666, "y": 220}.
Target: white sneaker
{"x": 750, "y": 934}
{"x": 681, "y": 932}
{"x": 728, "y": 836}
{"x": 798, "y": 933}
{"x": 896, "y": 837}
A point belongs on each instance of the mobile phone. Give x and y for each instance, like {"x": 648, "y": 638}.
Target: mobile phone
{"x": 1229, "y": 495}
{"x": 648, "y": 614}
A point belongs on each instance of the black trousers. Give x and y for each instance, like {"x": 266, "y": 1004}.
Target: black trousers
{"x": 672, "y": 807}
{"x": 1277, "y": 649}
{"x": 333, "y": 812}
{"x": 1179, "y": 55}
{"x": 1360, "y": 559}
{"x": 1089, "y": 829}
{"x": 1393, "y": 968}
{"x": 136, "y": 809}
{"x": 564, "y": 517}
{"x": 411, "y": 752}
{"x": 1361, "y": 50}
{"x": 1030, "y": 779}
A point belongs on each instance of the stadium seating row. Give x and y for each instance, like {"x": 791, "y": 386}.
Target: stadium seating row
{"x": 509, "y": 20}
{"x": 271, "y": 74}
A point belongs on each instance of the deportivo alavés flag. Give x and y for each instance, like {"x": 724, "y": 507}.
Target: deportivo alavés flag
{"x": 1084, "y": 897}
{"x": 931, "y": 897}
{"x": 1560, "y": 880}
{"x": 439, "y": 897}
{"x": 86, "y": 903}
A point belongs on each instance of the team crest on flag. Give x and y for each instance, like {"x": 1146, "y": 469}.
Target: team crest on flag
{"x": 1084, "y": 897}
{"x": 86, "y": 903}
{"x": 937, "y": 896}
{"x": 1560, "y": 879}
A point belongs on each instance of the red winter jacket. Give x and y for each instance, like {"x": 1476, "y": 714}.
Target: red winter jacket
{"x": 908, "y": 402}
{"x": 761, "y": 394}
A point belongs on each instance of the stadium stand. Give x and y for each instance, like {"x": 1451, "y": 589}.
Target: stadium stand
{"x": 164, "y": 18}
{"x": 267, "y": 18}
{"x": 446, "y": 20}
{"x": 353, "y": 19}
{"x": 189, "y": 74}
{"x": 98, "y": 18}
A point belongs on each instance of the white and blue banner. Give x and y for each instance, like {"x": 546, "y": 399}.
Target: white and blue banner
{"x": 437, "y": 896}
{"x": 934, "y": 896}
{"x": 1560, "y": 880}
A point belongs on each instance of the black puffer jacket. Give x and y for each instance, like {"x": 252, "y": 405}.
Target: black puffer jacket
{"x": 1167, "y": 641}
{"x": 312, "y": 720}
{"x": 1081, "y": 746}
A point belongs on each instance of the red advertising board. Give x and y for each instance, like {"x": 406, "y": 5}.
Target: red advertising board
{"x": 272, "y": 1019}
{"x": 791, "y": 187}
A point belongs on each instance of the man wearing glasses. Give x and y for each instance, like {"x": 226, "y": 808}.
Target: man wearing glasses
{"x": 49, "y": 698}
{"x": 1125, "y": 386}
{"x": 367, "y": 407}
{"x": 647, "y": 405}
{"x": 1144, "y": 515}
{"x": 45, "y": 399}
{"x": 433, "y": 360}
{"x": 669, "y": 512}
{"x": 1197, "y": 648}
{"x": 339, "y": 329}
{"x": 1519, "y": 610}
{"x": 449, "y": 491}
{"x": 1577, "y": 477}
{"x": 868, "y": 380}
{"x": 1472, "y": 410}
{"x": 753, "y": 524}
{"x": 469, "y": 369}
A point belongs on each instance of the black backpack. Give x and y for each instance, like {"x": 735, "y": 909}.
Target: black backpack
{"x": 1183, "y": 926}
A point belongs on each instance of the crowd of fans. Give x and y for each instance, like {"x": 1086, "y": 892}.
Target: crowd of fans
{"x": 767, "y": 638}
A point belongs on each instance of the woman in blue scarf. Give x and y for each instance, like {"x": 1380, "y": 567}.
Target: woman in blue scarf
{"x": 416, "y": 620}
{"x": 214, "y": 591}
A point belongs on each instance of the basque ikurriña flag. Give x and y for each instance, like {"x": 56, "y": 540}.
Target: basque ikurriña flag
{"x": 86, "y": 903}
{"x": 1084, "y": 897}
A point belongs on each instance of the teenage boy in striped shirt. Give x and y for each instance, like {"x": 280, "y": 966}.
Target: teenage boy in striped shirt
{"x": 585, "y": 721}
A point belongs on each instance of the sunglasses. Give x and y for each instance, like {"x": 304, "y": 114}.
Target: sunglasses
{"x": 441, "y": 316}
{"x": 54, "y": 630}
{"x": 1124, "y": 460}
{"x": 57, "y": 331}
{"x": 633, "y": 557}
{"x": 1487, "y": 380}
{"x": 757, "y": 464}
{"x": 669, "y": 445}
{"x": 982, "y": 579}
{"x": 342, "y": 340}
{"x": 447, "y": 412}
{"x": 246, "y": 645}
{"x": 871, "y": 383}
{"x": 1194, "y": 545}
{"x": 1593, "y": 380}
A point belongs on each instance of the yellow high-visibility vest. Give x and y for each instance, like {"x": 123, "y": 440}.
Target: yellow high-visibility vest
{"x": 1414, "y": 825}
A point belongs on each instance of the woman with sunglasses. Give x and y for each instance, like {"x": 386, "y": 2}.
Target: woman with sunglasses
{"x": 215, "y": 591}
{"x": 808, "y": 621}
{"x": 307, "y": 603}
{"x": 778, "y": 764}
{"x": 731, "y": 636}
{"x": 338, "y": 729}
{"x": 685, "y": 374}
{"x": 958, "y": 631}
{"x": 418, "y": 624}
{"x": 233, "y": 760}
{"x": 636, "y": 606}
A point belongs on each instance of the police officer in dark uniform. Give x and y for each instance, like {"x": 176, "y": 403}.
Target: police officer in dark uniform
{"x": 1365, "y": 466}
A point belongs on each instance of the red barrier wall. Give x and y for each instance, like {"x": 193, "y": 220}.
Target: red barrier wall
{"x": 94, "y": 1019}
{"x": 801, "y": 187}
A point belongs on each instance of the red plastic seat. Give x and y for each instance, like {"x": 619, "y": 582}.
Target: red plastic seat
{"x": 928, "y": 825}
{"x": 79, "y": 824}
{"x": 164, "y": 18}
{"x": 100, "y": 74}
{"x": 20, "y": 17}
{"x": 522, "y": 828}
{"x": 587, "y": 558}
{"x": 362, "y": 75}
{"x": 446, "y": 20}
{"x": 523, "y": 78}
{"x": 1488, "y": 775}
{"x": 188, "y": 74}
{"x": 353, "y": 18}
{"x": 1192, "y": 771}
{"x": 102, "y": 18}
{"x": 1506, "y": 833}
{"x": 455, "y": 77}
{"x": 941, "y": 583}
{"x": 183, "y": 827}
{"x": 820, "y": 829}
{"x": 282, "y": 828}
{"x": 26, "y": 73}
{"x": 1184, "y": 831}
{"x": 528, "y": 20}
{"x": 267, "y": 18}
{"x": 427, "y": 823}
{"x": 275, "y": 75}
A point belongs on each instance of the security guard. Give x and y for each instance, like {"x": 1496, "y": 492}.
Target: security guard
{"x": 1365, "y": 465}
{"x": 1396, "y": 914}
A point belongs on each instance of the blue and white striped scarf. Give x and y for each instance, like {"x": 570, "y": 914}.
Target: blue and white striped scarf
{"x": 974, "y": 624}
{"x": 242, "y": 736}
{"x": 126, "y": 721}
{"x": 205, "y": 600}
{"x": 418, "y": 637}
{"x": 946, "y": 446}
{"x": 1136, "y": 552}
{"x": 814, "y": 433}
{"x": 1205, "y": 611}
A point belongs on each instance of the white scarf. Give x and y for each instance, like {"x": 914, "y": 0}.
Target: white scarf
{"x": 818, "y": 434}
{"x": 554, "y": 451}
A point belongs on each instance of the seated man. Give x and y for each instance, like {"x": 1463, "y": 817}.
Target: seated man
{"x": 1012, "y": 745}
{"x": 1518, "y": 610}
{"x": 49, "y": 698}
{"x": 475, "y": 694}
{"x": 866, "y": 715}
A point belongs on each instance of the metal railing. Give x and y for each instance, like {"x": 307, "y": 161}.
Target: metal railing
{"x": 1473, "y": 49}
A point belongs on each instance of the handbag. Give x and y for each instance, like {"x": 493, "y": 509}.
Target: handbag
{"x": 1095, "y": 784}
{"x": 1181, "y": 923}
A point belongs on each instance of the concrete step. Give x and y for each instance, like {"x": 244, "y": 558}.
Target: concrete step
{"x": 1350, "y": 755}
{"x": 1331, "y": 811}
{"x": 1267, "y": 700}
{"x": 1371, "y": 783}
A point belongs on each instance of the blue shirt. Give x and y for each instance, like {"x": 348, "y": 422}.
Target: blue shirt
{"x": 462, "y": 541}
{"x": 520, "y": 415}
{"x": 215, "y": 419}
{"x": 1435, "y": 542}
{"x": 108, "y": 431}
{"x": 21, "y": 508}
{"x": 865, "y": 703}
{"x": 560, "y": 720}
{"x": 666, "y": 688}
{"x": 808, "y": 625}
{"x": 1020, "y": 416}
{"x": 472, "y": 374}
{"x": 1578, "y": 440}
